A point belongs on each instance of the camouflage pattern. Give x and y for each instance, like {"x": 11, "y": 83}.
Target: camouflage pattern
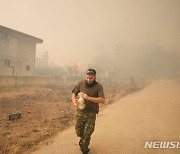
{"x": 85, "y": 123}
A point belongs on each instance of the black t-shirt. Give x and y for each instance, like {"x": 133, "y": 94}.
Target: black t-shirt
{"x": 94, "y": 91}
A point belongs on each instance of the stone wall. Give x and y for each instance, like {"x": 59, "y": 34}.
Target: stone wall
{"x": 13, "y": 81}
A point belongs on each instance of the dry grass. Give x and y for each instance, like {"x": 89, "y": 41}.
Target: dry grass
{"x": 45, "y": 112}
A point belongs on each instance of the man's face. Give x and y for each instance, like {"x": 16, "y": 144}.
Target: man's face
{"x": 90, "y": 78}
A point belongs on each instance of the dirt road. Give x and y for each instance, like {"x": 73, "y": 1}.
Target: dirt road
{"x": 122, "y": 128}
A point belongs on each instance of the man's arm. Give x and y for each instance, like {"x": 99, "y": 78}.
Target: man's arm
{"x": 74, "y": 100}
{"x": 94, "y": 99}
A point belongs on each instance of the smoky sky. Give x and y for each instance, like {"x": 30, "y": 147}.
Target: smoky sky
{"x": 76, "y": 30}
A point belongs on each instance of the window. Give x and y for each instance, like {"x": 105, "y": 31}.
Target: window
{"x": 3, "y": 35}
{"x": 27, "y": 68}
{"x": 7, "y": 62}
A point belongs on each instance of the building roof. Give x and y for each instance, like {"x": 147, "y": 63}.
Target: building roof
{"x": 6, "y": 29}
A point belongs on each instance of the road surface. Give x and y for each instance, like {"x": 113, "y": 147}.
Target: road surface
{"x": 152, "y": 114}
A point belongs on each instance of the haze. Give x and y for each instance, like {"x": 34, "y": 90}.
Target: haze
{"x": 79, "y": 30}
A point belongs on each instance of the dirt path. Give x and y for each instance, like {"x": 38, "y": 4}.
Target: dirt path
{"x": 122, "y": 128}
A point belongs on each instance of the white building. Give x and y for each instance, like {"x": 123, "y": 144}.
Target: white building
{"x": 17, "y": 52}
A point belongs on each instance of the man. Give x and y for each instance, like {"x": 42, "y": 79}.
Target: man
{"x": 85, "y": 118}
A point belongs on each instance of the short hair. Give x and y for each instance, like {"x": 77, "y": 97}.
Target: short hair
{"x": 91, "y": 72}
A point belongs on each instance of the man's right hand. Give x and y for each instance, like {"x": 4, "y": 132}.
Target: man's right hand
{"x": 74, "y": 101}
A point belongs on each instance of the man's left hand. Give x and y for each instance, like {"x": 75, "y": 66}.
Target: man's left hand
{"x": 85, "y": 96}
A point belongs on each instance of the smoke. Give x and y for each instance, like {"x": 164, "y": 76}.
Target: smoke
{"x": 77, "y": 31}
{"x": 148, "y": 60}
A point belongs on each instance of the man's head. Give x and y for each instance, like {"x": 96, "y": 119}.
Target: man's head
{"x": 90, "y": 76}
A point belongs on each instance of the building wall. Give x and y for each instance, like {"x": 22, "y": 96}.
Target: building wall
{"x": 27, "y": 50}
{"x": 4, "y": 43}
{"x": 4, "y": 69}
{"x": 20, "y": 51}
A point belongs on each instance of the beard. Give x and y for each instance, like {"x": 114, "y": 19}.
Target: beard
{"x": 90, "y": 84}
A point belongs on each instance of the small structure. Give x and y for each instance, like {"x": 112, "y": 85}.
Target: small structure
{"x": 42, "y": 62}
{"x": 17, "y": 52}
{"x": 14, "y": 116}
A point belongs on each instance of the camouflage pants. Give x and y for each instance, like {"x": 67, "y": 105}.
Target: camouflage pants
{"x": 85, "y": 123}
